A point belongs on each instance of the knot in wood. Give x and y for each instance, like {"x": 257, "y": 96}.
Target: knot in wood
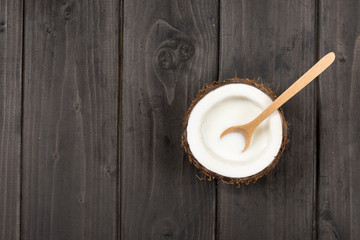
{"x": 67, "y": 12}
{"x": 2, "y": 26}
{"x": 76, "y": 106}
{"x": 55, "y": 156}
{"x": 108, "y": 170}
{"x": 81, "y": 199}
{"x": 186, "y": 50}
{"x": 165, "y": 229}
{"x": 48, "y": 29}
{"x": 166, "y": 59}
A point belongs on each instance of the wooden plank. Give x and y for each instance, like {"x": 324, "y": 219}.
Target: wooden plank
{"x": 339, "y": 180}
{"x": 70, "y": 120}
{"x": 10, "y": 117}
{"x": 273, "y": 40}
{"x": 170, "y": 50}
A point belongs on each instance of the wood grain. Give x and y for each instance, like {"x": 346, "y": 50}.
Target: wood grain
{"x": 10, "y": 117}
{"x": 339, "y": 179}
{"x": 70, "y": 120}
{"x": 169, "y": 49}
{"x": 168, "y": 53}
{"x": 276, "y": 42}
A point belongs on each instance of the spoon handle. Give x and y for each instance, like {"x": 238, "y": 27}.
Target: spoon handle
{"x": 304, "y": 80}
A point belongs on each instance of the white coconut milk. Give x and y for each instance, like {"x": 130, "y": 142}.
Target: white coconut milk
{"x": 233, "y": 111}
{"x": 224, "y": 107}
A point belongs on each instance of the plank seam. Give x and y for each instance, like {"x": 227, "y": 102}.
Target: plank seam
{"x": 317, "y": 105}
{"x": 119, "y": 121}
{"x": 22, "y": 4}
{"x": 216, "y": 234}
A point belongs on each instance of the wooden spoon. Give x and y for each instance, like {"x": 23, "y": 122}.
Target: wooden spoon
{"x": 248, "y": 129}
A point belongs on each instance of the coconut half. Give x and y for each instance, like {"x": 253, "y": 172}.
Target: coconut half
{"x": 221, "y": 105}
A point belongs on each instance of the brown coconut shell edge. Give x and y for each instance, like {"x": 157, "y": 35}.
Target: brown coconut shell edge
{"x": 210, "y": 175}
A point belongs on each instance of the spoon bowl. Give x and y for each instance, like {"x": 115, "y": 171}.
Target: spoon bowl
{"x": 244, "y": 130}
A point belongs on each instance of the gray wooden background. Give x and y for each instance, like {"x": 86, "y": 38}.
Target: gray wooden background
{"x": 91, "y": 105}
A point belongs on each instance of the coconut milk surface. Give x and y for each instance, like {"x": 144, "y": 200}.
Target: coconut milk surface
{"x": 233, "y": 111}
{"x": 226, "y": 106}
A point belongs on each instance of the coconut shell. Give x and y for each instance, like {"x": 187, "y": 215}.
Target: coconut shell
{"x": 210, "y": 175}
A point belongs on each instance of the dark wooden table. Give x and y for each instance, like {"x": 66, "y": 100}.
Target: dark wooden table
{"x": 91, "y": 114}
